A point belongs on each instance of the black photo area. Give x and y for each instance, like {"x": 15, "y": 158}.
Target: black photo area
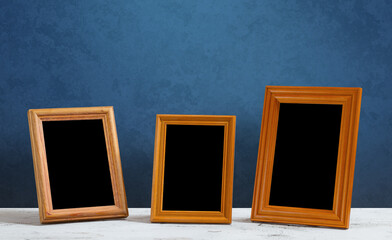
{"x": 193, "y": 168}
{"x": 78, "y": 165}
{"x": 306, "y": 155}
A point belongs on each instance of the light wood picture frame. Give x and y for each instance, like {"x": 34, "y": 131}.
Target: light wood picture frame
{"x": 56, "y": 131}
{"x": 192, "y": 130}
{"x": 348, "y": 100}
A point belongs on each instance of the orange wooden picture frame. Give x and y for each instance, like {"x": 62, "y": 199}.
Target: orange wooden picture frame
{"x": 223, "y": 216}
{"x": 46, "y": 212}
{"x": 339, "y": 216}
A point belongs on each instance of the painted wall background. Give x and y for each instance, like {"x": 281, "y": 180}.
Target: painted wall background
{"x": 190, "y": 57}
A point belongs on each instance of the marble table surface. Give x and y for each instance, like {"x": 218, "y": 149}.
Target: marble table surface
{"x": 23, "y": 223}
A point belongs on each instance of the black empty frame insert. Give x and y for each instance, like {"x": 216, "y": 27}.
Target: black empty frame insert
{"x": 306, "y": 154}
{"x": 193, "y": 168}
{"x": 78, "y": 165}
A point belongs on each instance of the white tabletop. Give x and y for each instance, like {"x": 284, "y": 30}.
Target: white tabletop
{"x": 23, "y": 223}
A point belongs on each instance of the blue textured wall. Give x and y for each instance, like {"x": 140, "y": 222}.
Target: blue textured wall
{"x": 190, "y": 57}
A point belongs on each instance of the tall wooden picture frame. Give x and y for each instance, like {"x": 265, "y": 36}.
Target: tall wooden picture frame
{"x": 77, "y": 164}
{"x": 305, "y": 166}
{"x": 193, "y": 169}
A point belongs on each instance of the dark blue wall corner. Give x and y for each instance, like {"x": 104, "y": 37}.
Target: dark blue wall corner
{"x": 190, "y": 57}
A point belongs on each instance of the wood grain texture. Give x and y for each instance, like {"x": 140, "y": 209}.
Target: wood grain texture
{"x": 223, "y": 216}
{"x": 339, "y": 216}
{"x": 46, "y": 211}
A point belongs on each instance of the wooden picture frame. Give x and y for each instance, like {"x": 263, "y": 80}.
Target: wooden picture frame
{"x": 227, "y": 124}
{"x": 350, "y": 101}
{"x": 40, "y": 118}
